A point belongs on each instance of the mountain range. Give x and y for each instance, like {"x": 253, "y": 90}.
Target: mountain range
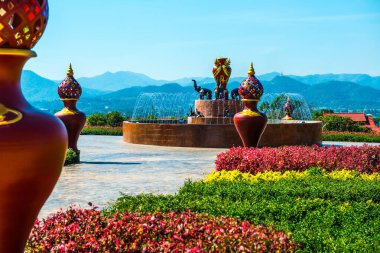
{"x": 119, "y": 91}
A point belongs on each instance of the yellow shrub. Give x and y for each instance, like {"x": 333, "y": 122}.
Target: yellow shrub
{"x": 276, "y": 176}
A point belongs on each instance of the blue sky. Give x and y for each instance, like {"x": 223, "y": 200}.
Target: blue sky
{"x": 169, "y": 39}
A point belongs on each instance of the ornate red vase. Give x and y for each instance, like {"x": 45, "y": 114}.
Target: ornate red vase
{"x": 250, "y": 123}
{"x": 70, "y": 91}
{"x": 32, "y": 143}
{"x": 32, "y": 152}
{"x": 222, "y": 72}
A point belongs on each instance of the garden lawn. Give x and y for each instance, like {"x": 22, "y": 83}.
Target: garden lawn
{"x": 326, "y": 212}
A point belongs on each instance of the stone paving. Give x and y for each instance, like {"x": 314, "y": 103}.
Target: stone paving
{"x": 110, "y": 166}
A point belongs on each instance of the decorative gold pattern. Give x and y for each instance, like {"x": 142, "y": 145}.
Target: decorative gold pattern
{"x": 250, "y": 100}
{"x": 69, "y": 99}
{"x": 249, "y": 112}
{"x": 3, "y": 111}
{"x": 17, "y": 52}
{"x": 287, "y": 117}
{"x": 67, "y": 111}
{"x": 222, "y": 71}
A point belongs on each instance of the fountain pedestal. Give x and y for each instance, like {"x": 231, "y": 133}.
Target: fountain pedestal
{"x": 218, "y": 111}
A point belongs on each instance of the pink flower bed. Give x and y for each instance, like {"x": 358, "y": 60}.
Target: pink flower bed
{"x": 299, "y": 158}
{"x": 79, "y": 230}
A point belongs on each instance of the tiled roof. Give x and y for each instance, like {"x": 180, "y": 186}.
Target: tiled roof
{"x": 372, "y": 124}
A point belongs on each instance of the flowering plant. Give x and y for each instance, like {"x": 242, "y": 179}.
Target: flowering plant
{"x": 364, "y": 159}
{"x": 78, "y": 230}
{"x": 287, "y": 175}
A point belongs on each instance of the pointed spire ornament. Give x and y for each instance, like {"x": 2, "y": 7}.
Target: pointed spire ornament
{"x": 70, "y": 71}
{"x": 251, "y": 70}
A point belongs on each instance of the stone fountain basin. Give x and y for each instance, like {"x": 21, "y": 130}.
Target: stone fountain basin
{"x": 277, "y": 133}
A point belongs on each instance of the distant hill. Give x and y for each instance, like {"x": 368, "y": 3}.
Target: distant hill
{"x": 330, "y": 94}
{"x": 119, "y": 80}
{"x": 335, "y": 94}
{"x": 126, "y": 79}
{"x": 362, "y": 79}
{"x": 207, "y": 80}
{"x": 284, "y": 84}
{"x": 37, "y": 88}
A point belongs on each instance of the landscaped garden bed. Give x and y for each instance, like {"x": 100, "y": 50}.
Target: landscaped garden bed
{"x": 339, "y": 211}
{"x": 257, "y": 199}
{"x": 300, "y": 158}
{"x": 79, "y": 230}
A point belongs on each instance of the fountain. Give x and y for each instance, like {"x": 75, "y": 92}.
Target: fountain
{"x": 162, "y": 107}
{"x": 272, "y": 105}
{"x": 162, "y": 119}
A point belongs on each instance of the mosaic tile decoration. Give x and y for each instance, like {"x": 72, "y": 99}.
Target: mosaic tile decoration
{"x": 251, "y": 87}
{"x": 22, "y": 22}
{"x": 69, "y": 88}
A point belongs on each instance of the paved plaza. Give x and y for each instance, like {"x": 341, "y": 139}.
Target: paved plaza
{"x": 110, "y": 166}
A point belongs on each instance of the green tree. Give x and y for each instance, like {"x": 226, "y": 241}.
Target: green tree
{"x": 97, "y": 119}
{"x": 341, "y": 124}
{"x": 114, "y": 119}
{"x": 318, "y": 114}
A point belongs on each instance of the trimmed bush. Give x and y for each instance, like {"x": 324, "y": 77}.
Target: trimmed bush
{"x": 72, "y": 157}
{"x": 89, "y": 231}
{"x": 364, "y": 159}
{"x": 111, "y": 119}
{"x": 116, "y": 131}
{"x": 350, "y": 137}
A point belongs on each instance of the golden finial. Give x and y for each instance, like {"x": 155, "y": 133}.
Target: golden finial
{"x": 251, "y": 70}
{"x": 288, "y": 99}
{"x": 70, "y": 71}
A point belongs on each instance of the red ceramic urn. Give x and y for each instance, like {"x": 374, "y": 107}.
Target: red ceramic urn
{"x": 32, "y": 143}
{"x": 70, "y": 91}
{"x": 250, "y": 123}
{"x": 32, "y": 152}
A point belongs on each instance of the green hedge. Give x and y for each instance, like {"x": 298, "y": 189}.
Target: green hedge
{"x": 323, "y": 214}
{"x": 351, "y": 137}
{"x": 112, "y": 119}
{"x": 102, "y": 131}
{"x": 72, "y": 157}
